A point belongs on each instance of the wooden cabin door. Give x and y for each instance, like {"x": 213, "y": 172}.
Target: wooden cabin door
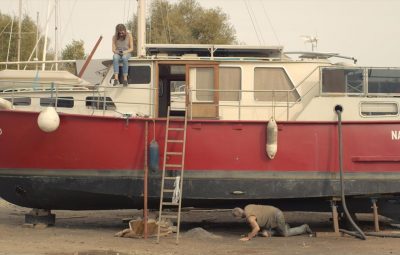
{"x": 203, "y": 90}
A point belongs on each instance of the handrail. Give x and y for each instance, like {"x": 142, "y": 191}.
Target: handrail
{"x": 100, "y": 91}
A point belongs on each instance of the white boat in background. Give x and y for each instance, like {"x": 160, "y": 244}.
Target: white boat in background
{"x": 95, "y": 158}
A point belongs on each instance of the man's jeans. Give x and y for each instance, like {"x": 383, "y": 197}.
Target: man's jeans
{"x": 284, "y": 229}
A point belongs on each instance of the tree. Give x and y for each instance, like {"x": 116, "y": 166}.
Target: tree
{"x": 186, "y": 22}
{"x": 9, "y": 26}
{"x": 73, "y": 51}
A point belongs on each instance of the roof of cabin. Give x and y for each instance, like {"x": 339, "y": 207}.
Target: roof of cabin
{"x": 211, "y": 50}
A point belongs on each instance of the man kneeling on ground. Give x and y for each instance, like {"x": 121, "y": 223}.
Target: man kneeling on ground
{"x": 269, "y": 219}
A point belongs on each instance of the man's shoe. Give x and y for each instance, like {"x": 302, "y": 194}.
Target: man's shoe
{"x": 115, "y": 83}
{"x": 308, "y": 229}
{"x": 125, "y": 83}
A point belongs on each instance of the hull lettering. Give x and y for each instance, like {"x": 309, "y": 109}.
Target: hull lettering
{"x": 395, "y": 135}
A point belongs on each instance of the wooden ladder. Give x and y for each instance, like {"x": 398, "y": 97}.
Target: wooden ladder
{"x": 174, "y": 134}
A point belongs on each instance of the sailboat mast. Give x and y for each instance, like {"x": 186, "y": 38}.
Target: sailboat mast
{"x": 141, "y": 28}
{"x": 19, "y": 32}
{"x": 45, "y": 37}
{"x": 56, "y": 32}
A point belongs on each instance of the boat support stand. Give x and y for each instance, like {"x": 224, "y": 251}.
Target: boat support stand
{"x": 40, "y": 216}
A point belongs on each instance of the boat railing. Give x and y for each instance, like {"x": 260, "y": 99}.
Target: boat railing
{"x": 39, "y": 64}
{"x": 101, "y": 98}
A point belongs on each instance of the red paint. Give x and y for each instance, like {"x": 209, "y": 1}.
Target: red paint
{"x": 103, "y": 143}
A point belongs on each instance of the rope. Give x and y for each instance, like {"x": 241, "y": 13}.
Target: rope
{"x": 154, "y": 129}
{"x": 177, "y": 193}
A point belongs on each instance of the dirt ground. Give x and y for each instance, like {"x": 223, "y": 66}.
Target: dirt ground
{"x": 92, "y": 233}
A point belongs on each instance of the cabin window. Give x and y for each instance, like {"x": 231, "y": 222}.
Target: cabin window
{"x": 65, "y": 102}
{"x": 205, "y": 82}
{"x": 178, "y": 69}
{"x": 20, "y": 101}
{"x": 98, "y": 103}
{"x": 136, "y": 75}
{"x": 278, "y": 84}
{"x": 383, "y": 80}
{"x": 369, "y": 109}
{"x": 230, "y": 79}
{"x": 139, "y": 75}
{"x": 342, "y": 81}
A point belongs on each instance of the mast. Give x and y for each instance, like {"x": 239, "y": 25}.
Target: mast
{"x": 141, "y": 28}
{"x": 45, "y": 37}
{"x": 56, "y": 11}
{"x": 37, "y": 38}
{"x": 19, "y": 32}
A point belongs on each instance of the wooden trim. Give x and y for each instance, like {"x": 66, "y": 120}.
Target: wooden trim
{"x": 204, "y": 109}
{"x": 156, "y": 84}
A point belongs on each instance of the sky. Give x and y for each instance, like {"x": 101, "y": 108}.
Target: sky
{"x": 364, "y": 29}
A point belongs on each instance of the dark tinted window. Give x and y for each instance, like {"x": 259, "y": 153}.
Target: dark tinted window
{"x": 66, "y": 102}
{"x": 383, "y": 81}
{"x": 136, "y": 75}
{"x": 20, "y": 100}
{"x": 98, "y": 103}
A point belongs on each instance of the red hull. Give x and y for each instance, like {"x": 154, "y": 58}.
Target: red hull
{"x": 102, "y": 143}
{"x": 101, "y": 160}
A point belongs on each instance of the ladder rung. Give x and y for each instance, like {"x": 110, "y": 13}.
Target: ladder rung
{"x": 170, "y": 177}
{"x": 175, "y": 141}
{"x": 169, "y": 190}
{"x": 174, "y": 153}
{"x": 169, "y": 203}
{"x": 176, "y": 129}
{"x": 169, "y": 216}
{"x": 176, "y": 117}
{"x": 172, "y": 165}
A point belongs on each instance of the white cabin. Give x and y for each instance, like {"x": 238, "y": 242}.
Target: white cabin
{"x": 219, "y": 82}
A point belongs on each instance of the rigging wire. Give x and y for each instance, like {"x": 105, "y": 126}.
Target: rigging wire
{"x": 129, "y": 13}
{"x": 124, "y": 18}
{"x": 9, "y": 42}
{"x": 256, "y": 22}
{"x": 68, "y": 22}
{"x": 270, "y": 23}
{"x": 5, "y": 28}
{"x": 251, "y": 18}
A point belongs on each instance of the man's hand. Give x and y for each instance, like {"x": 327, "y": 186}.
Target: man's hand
{"x": 245, "y": 239}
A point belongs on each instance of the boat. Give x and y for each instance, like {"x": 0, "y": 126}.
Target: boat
{"x": 263, "y": 127}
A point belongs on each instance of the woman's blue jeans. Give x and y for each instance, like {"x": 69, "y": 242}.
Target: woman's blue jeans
{"x": 124, "y": 59}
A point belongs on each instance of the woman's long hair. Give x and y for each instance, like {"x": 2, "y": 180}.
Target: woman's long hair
{"x": 120, "y": 28}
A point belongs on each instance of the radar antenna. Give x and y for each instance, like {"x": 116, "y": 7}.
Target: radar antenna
{"x": 313, "y": 40}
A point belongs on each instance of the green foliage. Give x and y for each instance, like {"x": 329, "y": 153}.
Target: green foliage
{"x": 28, "y": 39}
{"x": 73, "y": 51}
{"x": 186, "y": 22}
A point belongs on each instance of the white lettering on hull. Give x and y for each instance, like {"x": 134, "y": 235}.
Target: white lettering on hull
{"x": 395, "y": 135}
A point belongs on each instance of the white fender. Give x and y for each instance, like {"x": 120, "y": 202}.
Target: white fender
{"x": 48, "y": 120}
{"x": 5, "y": 104}
{"x": 272, "y": 138}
